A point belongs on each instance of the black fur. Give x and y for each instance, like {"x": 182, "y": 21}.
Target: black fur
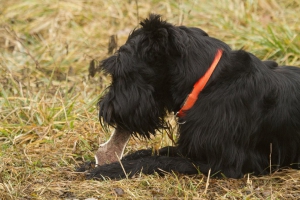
{"x": 247, "y": 104}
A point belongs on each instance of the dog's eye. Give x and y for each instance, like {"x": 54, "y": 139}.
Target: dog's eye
{"x": 125, "y": 49}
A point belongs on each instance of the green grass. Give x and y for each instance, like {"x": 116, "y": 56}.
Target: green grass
{"x": 48, "y": 113}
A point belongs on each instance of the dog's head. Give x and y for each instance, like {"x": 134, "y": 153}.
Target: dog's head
{"x": 151, "y": 75}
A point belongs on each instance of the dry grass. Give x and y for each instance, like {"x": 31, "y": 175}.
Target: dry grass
{"x": 48, "y": 116}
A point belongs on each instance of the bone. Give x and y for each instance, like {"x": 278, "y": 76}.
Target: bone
{"x": 113, "y": 149}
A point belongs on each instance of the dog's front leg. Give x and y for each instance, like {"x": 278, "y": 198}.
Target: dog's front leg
{"x": 112, "y": 150}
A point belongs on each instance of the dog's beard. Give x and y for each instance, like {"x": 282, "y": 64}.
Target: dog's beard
{"x": 135, "y": 111}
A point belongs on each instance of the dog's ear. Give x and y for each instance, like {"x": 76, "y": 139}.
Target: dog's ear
{"x": 161, "y": 38}
{"x": 154, "y": 42}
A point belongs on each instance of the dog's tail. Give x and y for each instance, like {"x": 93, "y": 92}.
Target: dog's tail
{"x": 147, "y": 165}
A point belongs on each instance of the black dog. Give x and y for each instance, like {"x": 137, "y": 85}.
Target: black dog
{"x": 245, "y": 119}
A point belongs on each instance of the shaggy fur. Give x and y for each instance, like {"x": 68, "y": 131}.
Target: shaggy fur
{"x": 246, "y": 106}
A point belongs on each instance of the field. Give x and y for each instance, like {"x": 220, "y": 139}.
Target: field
{"x": 48, "y": 113}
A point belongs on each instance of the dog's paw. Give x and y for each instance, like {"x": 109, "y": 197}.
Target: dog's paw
{"x": 110, "y": 171}
{"x": 85, "y": 166}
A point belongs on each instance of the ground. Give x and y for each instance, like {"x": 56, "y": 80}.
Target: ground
{"x": 48, "y": 111}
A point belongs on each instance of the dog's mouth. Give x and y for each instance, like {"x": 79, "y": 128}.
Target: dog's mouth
{"x": 106, "y": 113}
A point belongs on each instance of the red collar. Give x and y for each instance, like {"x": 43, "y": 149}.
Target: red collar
{"x": 199, "y": 85}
